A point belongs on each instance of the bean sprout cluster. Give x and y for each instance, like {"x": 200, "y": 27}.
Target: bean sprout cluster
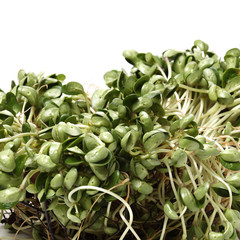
{"x": 154, "y": 156}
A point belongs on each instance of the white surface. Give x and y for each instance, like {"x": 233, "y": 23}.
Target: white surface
{"x": 84, "y": 39}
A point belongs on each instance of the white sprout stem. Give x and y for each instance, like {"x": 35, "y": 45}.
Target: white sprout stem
{"x": 215, "y": 124}
{"x": 192, "y": 97}
{"x": 23, "y": 117}
{"x": 212, "y": 110}
{"x": 164, "y": 228}
{"x": 176, "y": 225}
{"x": 211, "y": 219}
{"x": 235, "y": 108}
{"x": 162, "y": 72}
{"x": 205, "y": 216}
{"x": 171, "y": 143}
{"x": 92, "y": 110}
{"x": 129, "y": 224}
{"x": 196, "y": 109}
{"x": 31, "y": 114}
{"x": 222, "y": 216}
{"x": 173, "y": 104}
{"x": 196, "y": 218}
{"x": 236, "y": 102}
{"x": 107, "y": 214}
{"x": 200, "y": 110}
{"x": 174, "y": 111}
{"x": 16, "y": 127}
{"x": 189, "y": 102}
{"x": 17, "y": 121}
{"x": 191, "y": 176}
{"x": 16, "y": 227}
{"x": 217, "y": 168}
{"x": 27, "y": 177}
{"x": 178, "y": 200}
{"x": 235, "y": 114}
{"x": 199, "y": 171}
{"x": 18, "y": 136}
{"x": 161, "y": 192}
{"x": 186, "y": 101}
{"x": 83, "y": 126}
{"x": 230, "y": 137}
{"x": 193, "y": 89}
{"x": 210, "y": 127}
{"x": 176, "y": 175}
{"x": 236, "y": 94}
{"x": 87, "y": 102}
{"x": 169, "y": 104}
{"x": 116, "y": 211}
{"x": 214, "y": 133}
{"x": 235, "y": 89}
{"x": 222, "y": 181}
{"x": 228, "y": 113}
{"x": 22, "y": 149}
{"x": 185, "y": 106}
{"x": 183, "y": 211}
{"x": 223, "y": 116}
{"x": 235, "y": 131}
{"x": 215, "y": 142}
{"x": 220, "y": 121}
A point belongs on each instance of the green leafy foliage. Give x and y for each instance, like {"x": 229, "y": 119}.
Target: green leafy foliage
{"x": 161, "y": 142}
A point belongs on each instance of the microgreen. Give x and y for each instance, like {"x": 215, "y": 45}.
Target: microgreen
{"x": 162, "y": 142}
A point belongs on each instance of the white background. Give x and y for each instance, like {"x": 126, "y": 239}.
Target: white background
{"x": 84, "y": 39}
